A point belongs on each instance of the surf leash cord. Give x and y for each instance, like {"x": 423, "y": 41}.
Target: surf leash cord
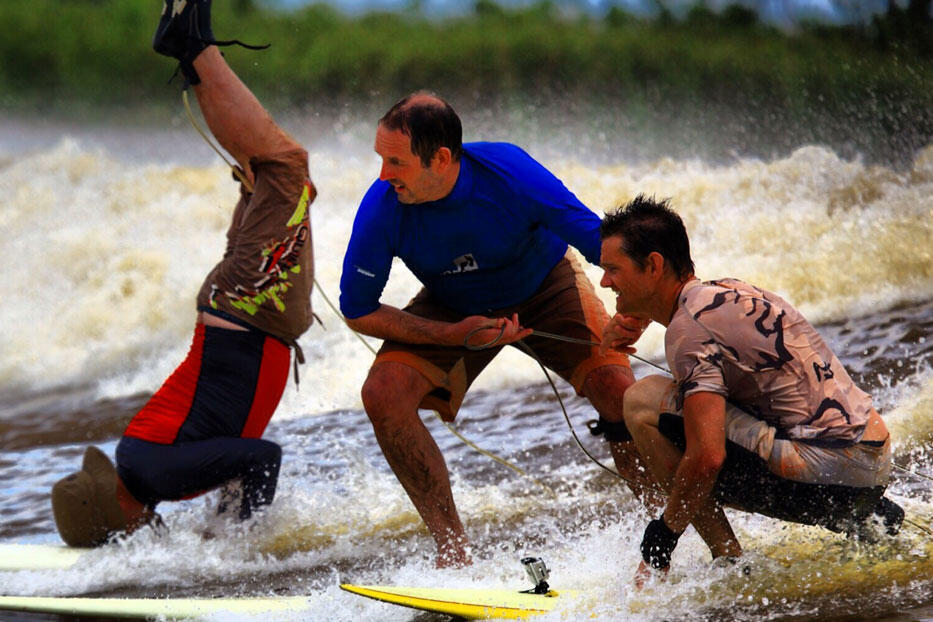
{"x": 527, "y": 350}
{"x": 236, "y": 169}
{"x": 556, "y": 337}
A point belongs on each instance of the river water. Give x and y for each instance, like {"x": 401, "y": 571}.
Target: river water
{"x": 108, "y": 229}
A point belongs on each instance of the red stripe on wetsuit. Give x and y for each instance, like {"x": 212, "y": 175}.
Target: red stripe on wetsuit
{"x": 192, "y": 399}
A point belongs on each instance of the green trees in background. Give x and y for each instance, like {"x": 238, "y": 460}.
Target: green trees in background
{"x": 54, "y": 51}
{"x": 867, "y": 85}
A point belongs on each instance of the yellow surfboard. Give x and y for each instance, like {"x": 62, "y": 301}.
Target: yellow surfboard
{"x": 469, "y": 603}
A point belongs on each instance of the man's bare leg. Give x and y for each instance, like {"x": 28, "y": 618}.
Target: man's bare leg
{"x": 391, "y": 395}
{"x": 642, "y": 403}
{"x": 235, "y": 117}
{"x": 605, "y": 387}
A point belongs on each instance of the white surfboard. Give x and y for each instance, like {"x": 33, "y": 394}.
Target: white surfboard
{"x": 469, "y": 603}
{"x": 38, "y": 556}
{"x": 151, "y": 607}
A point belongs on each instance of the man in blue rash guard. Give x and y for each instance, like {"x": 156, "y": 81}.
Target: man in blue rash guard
{"x": 485, "y": 228}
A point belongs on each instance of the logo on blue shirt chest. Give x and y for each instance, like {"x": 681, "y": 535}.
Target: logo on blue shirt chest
{"x": 463, "y": 263}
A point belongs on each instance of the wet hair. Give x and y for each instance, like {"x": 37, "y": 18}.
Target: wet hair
{"x": 646, "y": 226}
{"x": 430, "y": 123}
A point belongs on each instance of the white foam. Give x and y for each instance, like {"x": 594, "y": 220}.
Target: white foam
{"x": 105, "y": 254}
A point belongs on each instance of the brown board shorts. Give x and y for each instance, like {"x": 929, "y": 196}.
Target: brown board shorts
{"x": 565, "y": 304}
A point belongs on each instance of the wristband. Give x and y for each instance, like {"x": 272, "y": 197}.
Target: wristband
{"x": 658, "y": 543}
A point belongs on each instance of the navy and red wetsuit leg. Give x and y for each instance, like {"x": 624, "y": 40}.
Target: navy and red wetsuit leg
{"x": 183, "y": 470}
{"x": 202, "y": 428}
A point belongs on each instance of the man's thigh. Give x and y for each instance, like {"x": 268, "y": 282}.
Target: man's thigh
{"x": 747, "y": 482}
{"x": 155, "y": 472}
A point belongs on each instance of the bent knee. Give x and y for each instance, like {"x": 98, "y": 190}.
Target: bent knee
{"x": 270, "y": 453}
{"x": 642, "y": 401}
{"x": 605, "y": 388}
{"x": 608, "y": 380}
{"x": 392, "y": 388}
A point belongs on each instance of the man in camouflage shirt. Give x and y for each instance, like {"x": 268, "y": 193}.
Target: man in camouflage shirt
{"x": 760, "y": 414}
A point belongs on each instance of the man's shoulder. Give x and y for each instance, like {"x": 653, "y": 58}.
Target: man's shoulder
{"x": 498, "y": 155}
{"x": 378, "y": 211}
{"x": 708, "y": 303}
{"x": 510, "y": 164}
{"x": 484, "y": 147}
{"x": 720, "y": 295}
{"x": 725, "y": 310}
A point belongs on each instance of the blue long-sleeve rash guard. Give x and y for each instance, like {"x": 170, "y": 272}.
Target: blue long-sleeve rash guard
{"x": 487, "y": 245}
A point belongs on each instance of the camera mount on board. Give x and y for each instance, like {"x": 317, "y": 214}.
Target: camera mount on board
{"x": 538, "y": 573}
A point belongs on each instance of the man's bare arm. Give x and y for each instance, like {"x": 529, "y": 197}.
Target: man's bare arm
{"x": 705, "y": 429}
{"x": 389, "y": 322}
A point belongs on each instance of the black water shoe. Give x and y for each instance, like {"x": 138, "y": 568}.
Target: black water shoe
{"x": 891, "y": 514}
{"x": 885, "y": 518}
{"x": 184, "y": 31}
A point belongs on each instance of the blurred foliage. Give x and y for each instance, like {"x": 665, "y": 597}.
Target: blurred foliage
{"x": 58, "y": 52}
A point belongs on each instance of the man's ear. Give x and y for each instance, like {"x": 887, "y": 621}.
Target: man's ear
{"x": 655, "y": 263}
{"x": 442, "y": 158}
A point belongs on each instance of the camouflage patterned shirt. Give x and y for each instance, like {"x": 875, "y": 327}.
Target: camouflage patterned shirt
{"x": 755, "y": 349}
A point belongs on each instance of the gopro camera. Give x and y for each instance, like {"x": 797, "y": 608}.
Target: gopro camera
{"x": 538, "y": 573}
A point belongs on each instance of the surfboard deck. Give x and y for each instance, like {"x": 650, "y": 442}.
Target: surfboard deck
{"x": 469, "y": 603}
{"x": 38, "y": 556}
{"x": 150, "y": 607}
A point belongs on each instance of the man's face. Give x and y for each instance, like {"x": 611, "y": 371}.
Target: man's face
{"x": 413, "y": 182}
{"x": 633, "y": 286}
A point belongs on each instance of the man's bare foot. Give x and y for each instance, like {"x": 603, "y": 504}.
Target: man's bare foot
{"x": 453, "y": 556}
{"x": 645, "y": 572}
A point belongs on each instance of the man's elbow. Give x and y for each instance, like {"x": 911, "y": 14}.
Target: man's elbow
{"x": 357, "y": 323}
{"x": 366, "y": 324}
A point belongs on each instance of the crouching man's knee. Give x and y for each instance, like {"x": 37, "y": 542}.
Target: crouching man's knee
{"x": 642, "y": 402}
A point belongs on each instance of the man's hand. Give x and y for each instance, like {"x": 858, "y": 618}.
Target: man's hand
{"x": 621, "y": 332}
{"x": 656, "y": 547}
{"x": 478, "y": 330}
